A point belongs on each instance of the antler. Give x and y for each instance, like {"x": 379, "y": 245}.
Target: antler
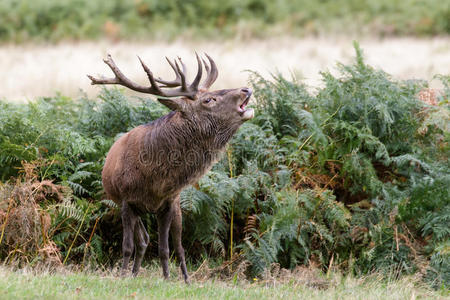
{"x": 212, "y": 73}
{"x": 183, "y": 89}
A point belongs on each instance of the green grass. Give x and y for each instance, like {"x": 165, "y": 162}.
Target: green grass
{"x": 150, "y": 285}
{"x": 83, "y": 19}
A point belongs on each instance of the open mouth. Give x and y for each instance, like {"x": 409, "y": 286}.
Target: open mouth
{"x": 245, "y": 113}
{"x": 244, "y": 104}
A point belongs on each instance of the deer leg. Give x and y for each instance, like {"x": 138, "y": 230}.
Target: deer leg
{"x": 129, "y": 219}
{"x": 141, "y": 240}
{"x": 175, "y": 230}
{"x": 164, "y": 219}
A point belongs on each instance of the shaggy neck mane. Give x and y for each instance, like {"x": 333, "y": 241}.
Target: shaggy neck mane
{"x": 202, "y": 134}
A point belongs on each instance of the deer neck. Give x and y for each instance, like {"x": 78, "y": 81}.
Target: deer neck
{"x": 174, "y": 133}
{"x": 210, "y": 133}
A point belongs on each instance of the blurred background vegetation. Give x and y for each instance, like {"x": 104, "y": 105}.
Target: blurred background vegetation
{"x": 47, "y": 20}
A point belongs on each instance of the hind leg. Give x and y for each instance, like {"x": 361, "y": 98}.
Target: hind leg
{"x": 164, "y": 218}
{"x": 129, "y": 220}
{"x": 175, "y": 231}
{"x": 141, "y": 240}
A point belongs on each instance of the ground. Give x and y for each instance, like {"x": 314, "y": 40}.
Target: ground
{"x": 63, "y": 284}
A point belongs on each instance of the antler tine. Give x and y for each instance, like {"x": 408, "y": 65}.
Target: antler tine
{"x": 149, "y": 75}
{"x": 206, "y": 66}
{"x": 154, "y": 89}
{"x": 213, "y": 73}
{"x": 176, "y": 81}
{"x": 121, "y": 79}
{"x": 182, "y": 76}
{"x": 194, "y": 84}
{"x": 184, "y": 66}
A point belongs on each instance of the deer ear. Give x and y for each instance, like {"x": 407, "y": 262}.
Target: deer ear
{"x": 172, "y": 103}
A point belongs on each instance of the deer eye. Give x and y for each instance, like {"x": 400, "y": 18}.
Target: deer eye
{"x": 209, "y": 100}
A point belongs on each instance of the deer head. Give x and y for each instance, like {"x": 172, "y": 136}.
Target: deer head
{"x": 191, "y": 99}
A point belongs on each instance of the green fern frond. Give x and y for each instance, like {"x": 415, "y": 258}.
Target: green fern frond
{"x": 69, "y": 209}
{"x": 109, "y": 203}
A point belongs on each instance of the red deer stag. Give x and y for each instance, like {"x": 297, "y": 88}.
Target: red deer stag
{"x": 147, "y": 168}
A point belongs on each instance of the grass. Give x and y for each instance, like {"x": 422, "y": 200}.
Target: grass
{"x": 27, "y": 284}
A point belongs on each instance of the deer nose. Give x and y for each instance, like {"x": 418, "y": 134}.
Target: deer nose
{"x": 247, "y": 92}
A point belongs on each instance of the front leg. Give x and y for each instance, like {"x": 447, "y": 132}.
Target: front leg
{"x": 164, "y": 218}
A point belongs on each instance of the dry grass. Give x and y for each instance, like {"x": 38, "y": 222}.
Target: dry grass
{"x": 28, "y": 71}
{"x": 24, "y": 224}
